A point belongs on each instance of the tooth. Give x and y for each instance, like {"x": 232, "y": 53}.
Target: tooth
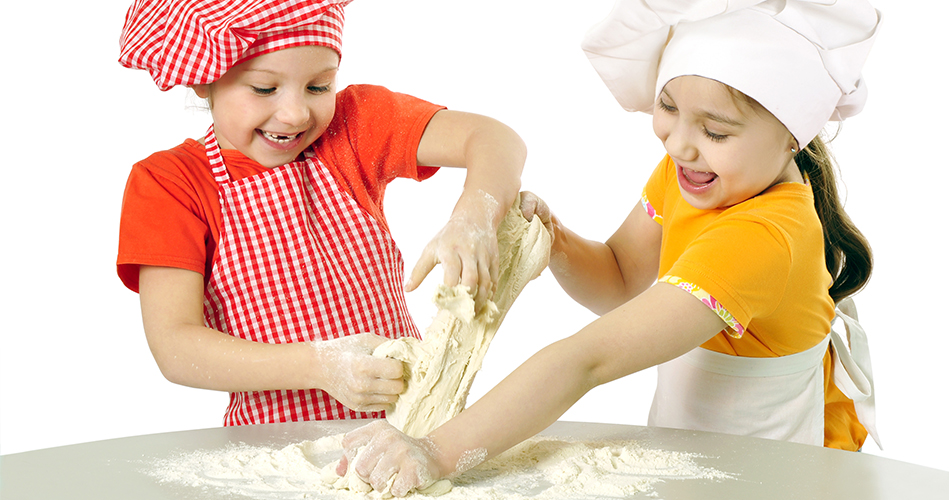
{"x": 278, "y": 138}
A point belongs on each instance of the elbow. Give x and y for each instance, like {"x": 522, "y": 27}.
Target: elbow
{"x": 518, "y": 147}
{"x": 171, "y": 369}
{"x": 508, "y": 146}
{"x": 578, "y": 363}
{"x": 169, "y": 364}
{"x": 608, "y": 302}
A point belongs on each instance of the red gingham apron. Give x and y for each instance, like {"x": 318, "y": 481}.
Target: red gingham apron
{"x": 299, "y": 260}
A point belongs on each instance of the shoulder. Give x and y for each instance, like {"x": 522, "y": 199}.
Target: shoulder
{"x": 375, "y": 129}
{"x": 352, "y": 94}
{"x": 660, "y": 188}
{"x": 189, "y": 151}
{"x": 786, "y": 211}
{"x": 365, "y": 95}
{"x": 180, "y": 175}
{"x": 178, "y": 164}
{"x": 769, "y": 228}
{"x": 363, "y": 105}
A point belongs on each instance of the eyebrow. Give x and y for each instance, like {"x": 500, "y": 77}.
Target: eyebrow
{"x": 712, "y": 115}
{"x": 721, "y": 119}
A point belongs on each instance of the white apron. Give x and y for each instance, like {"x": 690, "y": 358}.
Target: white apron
{"x": 299, "y": 260}
{"x": 777, "y": 398}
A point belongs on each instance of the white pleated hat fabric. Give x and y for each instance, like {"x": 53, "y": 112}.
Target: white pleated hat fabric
{"x": 801, "y": 60}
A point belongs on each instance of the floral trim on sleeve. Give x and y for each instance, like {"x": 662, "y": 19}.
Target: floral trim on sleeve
{"x": 733, "y": 329}
{"x": 650, "y": 210}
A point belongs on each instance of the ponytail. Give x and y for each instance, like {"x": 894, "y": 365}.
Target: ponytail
{"x": 846, "y": 251}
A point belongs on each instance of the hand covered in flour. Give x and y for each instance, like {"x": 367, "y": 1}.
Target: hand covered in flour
{"x": 350, "y": 373}
{"x": 532, "y": 206}
{"x": 384, "y": 457}
{"x": 467, "y": 249}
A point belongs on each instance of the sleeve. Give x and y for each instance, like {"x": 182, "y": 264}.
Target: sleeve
{"x": 742, "y": 261}
{"x": 161, "y": 225}
{"x": 382, "y": 129}
{"x": 654, "y": 192}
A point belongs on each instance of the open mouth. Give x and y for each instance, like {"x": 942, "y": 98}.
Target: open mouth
{"x": 697, "y": 178}
{"x": 695, "y": 181}
{"x": 280, "y": 139}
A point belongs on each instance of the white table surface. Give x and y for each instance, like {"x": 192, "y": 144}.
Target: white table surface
{"x": 764, "y": 469}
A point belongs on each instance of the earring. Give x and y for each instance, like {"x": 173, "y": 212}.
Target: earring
{"x": 793, "y": 150}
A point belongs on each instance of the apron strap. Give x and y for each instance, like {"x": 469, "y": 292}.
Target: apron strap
{"x": 853, "y": 373}
{"x": 742, "y": 366}
{"x": 215, "y": 158}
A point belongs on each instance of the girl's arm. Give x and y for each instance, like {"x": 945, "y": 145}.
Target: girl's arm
{"x": 660, "y": 324}
{"x": 189, "y": 353}
{"x": 494, "y": 157}
{"x": 602, "y": 276}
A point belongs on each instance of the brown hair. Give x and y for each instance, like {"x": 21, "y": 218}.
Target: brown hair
{"x": 846, "y": 251}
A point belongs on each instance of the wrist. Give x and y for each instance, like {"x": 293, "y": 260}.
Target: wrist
{"x": 451, "y": 462}
{"x": 479, "y": 207}
{"x": 315, "y": 372}
{"x": 443, "y": 465}
{"x": 559, "y": 235}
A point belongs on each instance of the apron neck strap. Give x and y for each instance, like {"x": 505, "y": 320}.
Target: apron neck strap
{"x": 214, "y": 156}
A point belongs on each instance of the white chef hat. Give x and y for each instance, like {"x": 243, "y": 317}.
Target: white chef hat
{"x": 800, "y": 59}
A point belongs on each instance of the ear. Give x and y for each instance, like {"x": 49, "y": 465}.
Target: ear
{"x": 203, "y": 90}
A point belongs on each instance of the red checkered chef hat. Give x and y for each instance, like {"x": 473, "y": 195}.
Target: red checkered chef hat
{"x": 193, "y": 42}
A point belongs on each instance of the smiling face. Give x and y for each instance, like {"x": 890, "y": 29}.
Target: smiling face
{"x": 726, "y": 149}
{"x": 272, "y": 107}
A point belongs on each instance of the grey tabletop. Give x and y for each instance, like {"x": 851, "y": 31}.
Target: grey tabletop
{"x": 761, "y": 468}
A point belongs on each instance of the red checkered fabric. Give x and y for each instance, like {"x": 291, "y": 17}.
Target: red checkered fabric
{"x": 194, "y": 42}
{"x": 299, "y": 261}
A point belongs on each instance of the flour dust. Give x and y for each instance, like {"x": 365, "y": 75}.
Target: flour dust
{"x": 539, "y": 468}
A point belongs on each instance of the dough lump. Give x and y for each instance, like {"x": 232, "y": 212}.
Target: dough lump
{"x": 440, "y": 369}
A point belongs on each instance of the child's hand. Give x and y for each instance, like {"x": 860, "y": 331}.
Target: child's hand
{"x": 532, "y": 205}
{"x": 352, "y": 375}
{"x": 389, "y": 453}
{"x": 467, "y": 249}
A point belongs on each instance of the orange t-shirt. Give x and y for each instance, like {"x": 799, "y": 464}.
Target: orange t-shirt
{"x": 763, "y": 261}
{"x": 171, "y": 213}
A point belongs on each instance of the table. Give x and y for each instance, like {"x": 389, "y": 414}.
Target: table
{"x": 764, "y": 469}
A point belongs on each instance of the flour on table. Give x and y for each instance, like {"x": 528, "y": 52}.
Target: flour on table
{"x": 539, "y": 468}
{"x": 440, "y": 370}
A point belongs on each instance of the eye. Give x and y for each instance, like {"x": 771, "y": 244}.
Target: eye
{"x": 264, "y": 91}
{"x": 713, "y": 136}
{"x": 319, "y": 89}
{"x": 665, "y": 107}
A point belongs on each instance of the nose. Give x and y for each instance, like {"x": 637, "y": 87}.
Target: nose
{"x": 676, "y": 137}
{"x": 293, "y": 109}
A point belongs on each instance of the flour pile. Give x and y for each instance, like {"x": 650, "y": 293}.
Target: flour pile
{"x": 439, "y": 373}
{"x": 539, "y": 468}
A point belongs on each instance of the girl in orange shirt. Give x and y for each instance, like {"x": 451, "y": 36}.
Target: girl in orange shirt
{"x": 740, "y": 225}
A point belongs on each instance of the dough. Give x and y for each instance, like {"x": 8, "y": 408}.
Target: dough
{"x": 440, "y": 369}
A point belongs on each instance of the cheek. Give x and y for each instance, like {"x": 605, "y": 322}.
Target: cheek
{"x": 325, "y": 111}
{"x": 660, "y": 125}
{"x": 328, "y": 110}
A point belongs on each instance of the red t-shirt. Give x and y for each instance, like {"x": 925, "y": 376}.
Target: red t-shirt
{"x": 171, "y": 214}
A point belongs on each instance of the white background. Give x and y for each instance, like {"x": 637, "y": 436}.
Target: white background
{"x": 74, "y": 365}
